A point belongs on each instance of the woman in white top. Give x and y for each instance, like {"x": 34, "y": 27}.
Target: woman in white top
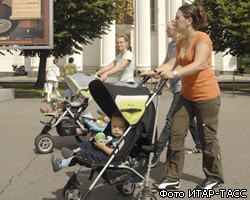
{"x": 123, "y": 63}
{"x": 52, "y": 77}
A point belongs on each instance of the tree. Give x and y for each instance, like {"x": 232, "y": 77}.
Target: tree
{"x": 229, "y": 25}
{"x": 76, "y": 23}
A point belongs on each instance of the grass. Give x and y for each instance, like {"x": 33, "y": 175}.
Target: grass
{"x": 31, "y": 91}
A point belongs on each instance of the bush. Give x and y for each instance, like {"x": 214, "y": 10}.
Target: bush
{"x": 245, "y": 63}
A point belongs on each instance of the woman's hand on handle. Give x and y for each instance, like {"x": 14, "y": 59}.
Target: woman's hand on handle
{"x": 145, "y": 72}
{"x": 104, "y": 77}
{"x": 166, "y": 74}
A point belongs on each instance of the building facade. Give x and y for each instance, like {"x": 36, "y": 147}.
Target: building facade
{"x": 145, "y": 25}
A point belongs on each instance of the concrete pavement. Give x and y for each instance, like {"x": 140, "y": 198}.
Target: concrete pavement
{"x": 26, "y": 175}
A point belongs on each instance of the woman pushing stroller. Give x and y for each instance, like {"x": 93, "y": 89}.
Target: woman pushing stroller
{"x": 123, "y": 64}
{"x": 200, "y": 97}
{"x": 94, "y": 150}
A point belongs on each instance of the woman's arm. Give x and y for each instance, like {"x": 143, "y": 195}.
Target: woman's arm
{"x": 115, "y": 70}
{"x": 106, "y": 68}
{"x": 119, "y": 68}
{"x": 201, "y": 54}
{"x": 167, "y": 65}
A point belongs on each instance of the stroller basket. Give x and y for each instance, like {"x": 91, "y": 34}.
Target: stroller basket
{"x": 67, "y": 127}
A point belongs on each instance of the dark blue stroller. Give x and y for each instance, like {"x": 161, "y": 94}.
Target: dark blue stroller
{"x": 130, "y": 162}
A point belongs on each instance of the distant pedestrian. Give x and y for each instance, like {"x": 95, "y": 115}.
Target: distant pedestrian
{"x": 69, "y": 69}
{"x": 52, "y": 79}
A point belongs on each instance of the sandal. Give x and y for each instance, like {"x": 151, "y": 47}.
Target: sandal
{"x": 193, "y": 151}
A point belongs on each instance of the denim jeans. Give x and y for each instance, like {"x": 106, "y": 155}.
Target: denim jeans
{"x": 206, "y": 113}
{"x": 68, "y": 93}
{"x": 164, "y": 136}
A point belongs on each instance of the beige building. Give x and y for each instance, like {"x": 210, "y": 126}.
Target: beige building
{"x": 145, "y": 25}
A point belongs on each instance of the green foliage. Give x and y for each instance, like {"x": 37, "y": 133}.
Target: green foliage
{"x": 76, "y": 23}
{"x": 229, "y": 25}
{"x": 245, "y": 63}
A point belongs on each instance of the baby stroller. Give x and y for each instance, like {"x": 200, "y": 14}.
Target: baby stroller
{"x": 130, "y": 162}
{"x": 71, "y": 119}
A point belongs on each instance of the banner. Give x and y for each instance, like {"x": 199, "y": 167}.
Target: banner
{"x": 26, "y": 24}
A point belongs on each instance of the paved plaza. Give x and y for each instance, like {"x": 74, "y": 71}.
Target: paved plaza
{"x": 26, "y": 175}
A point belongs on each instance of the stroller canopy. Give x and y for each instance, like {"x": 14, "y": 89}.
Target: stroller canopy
{"x": 131, "y": 102}
{"x": 79, "y": 82}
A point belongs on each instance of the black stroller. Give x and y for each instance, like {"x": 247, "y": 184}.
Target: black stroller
{"x": 130, "y": 162}
{"x": 69, "y": 121}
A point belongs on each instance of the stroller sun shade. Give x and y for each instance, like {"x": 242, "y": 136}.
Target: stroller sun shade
{"x": 79, "y": 82}
{"x": 131, "y": 102}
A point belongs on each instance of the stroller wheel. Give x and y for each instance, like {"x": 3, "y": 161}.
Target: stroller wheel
{"x": 44, "y": 143}
{"x": 72, "y": 182}
{"x": 145, "y": 196}
{"x": 72, "y": 193}
{"x": 126, "y": 188}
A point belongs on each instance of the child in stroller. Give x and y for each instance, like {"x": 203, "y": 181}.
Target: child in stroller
{"x": 57, "y": 104}
{"x": 130, "y": 161}
{"x": 95, "y": 150}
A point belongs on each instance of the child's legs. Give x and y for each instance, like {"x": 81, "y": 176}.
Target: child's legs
{"x": 55, "y": 84}
{"x": 90, "y": 151}
{"x": 50, "y": 87}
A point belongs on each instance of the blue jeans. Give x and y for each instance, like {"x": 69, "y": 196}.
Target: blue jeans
{"x": 68, "y": 93}
{"x": 164, "y": 136}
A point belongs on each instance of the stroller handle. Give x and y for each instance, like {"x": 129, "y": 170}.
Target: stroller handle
{"x": 158, "y": 88}
{"x": 143, "y": 81}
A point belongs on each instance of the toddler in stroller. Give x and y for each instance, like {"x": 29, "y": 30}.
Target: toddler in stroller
{"x": 56, "y": 105}
{"x": 129, "y": 162}
{"x": 96, "y": 149}
{"x": 70, "y": 119}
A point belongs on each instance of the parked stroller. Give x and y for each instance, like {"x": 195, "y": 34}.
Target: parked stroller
{"x": 130, "y": 161}
{"x": 71, "y": 120}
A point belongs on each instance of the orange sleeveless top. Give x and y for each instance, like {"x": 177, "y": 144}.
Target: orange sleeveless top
{"x": 202, "y": 85}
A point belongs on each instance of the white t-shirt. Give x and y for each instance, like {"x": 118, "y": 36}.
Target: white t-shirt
{"x": 53, "y": 73}
{"x": 127, "y": 74}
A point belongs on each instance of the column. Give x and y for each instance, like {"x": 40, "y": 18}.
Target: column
{"x": 174, "y": 5}
{"x": 161, "y": 33}
{"x": 108, "y": 46}
{"x": 143, "y": 34}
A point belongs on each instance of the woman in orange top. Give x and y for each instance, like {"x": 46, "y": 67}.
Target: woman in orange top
{"x": 200, "y": 97}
